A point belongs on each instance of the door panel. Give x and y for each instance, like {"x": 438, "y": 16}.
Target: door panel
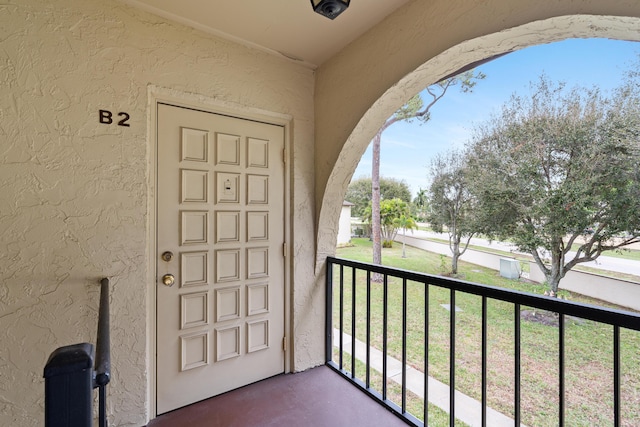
{"x": 220, "y": 236}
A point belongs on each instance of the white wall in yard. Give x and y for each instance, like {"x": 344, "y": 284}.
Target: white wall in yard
{"x": 344, "y": 226}
{"x": 615, "y": 291}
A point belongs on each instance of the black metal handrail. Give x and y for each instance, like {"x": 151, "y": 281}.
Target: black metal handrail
{"x": 103, "y": 353}
{"x": 616, "y": 318}
{"x": 71, "y": 375}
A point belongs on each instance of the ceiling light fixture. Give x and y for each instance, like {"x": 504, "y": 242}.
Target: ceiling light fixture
{"x": 330, "y": 8}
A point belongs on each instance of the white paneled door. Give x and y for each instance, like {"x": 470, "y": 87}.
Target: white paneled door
{"x": 220, "y": 261}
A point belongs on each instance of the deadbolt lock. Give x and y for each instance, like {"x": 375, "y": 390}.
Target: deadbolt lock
{"x": 168, "y": 279}
{"x": 167, "y": 256}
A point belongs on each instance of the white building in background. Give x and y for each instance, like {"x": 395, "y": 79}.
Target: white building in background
{"x": 344, "y": 226}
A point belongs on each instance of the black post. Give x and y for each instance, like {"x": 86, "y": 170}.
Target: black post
{"x": 68, "y": 387}
{"x": 329, "y": 312}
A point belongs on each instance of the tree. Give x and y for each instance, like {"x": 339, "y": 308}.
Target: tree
{"x": 421, "y": 204}
{"x": 452, "y": 203}
{"x": 560, "y": 168}
{"x": 359, "y": 192}
{"x": 390, "y": 213}
{"x": 404, "y": 222}
{"x": 415, "y": 108}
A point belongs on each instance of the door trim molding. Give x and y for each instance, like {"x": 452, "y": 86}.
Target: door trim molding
{"x": 155, "y": 96}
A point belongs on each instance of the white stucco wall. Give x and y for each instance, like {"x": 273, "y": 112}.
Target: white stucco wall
{"x": 615, "y": 291}
{"x": 344, "y": 227}
{"x": 73, "y": 202}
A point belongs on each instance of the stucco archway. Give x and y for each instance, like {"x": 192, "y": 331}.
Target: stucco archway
{"x": 447, "y": 63}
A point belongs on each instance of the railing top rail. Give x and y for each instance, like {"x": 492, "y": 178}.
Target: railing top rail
{"x": 625, "y": 319}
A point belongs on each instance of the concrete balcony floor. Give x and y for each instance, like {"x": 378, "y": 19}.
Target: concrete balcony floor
{"x": 318, "y": 397}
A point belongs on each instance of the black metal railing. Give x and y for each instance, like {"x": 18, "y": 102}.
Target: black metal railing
{"x": 103, "y": 353}
{"x": 71, "y": 375}
{"x": 349, "y": 311}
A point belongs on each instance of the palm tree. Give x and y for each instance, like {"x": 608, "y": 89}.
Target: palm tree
{"x": 413, "y": 109}
{"x": 404, "y": 222}
{"x": 420, "y": 202}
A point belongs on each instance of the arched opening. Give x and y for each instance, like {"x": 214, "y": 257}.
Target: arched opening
{"x": 450, "y": 62}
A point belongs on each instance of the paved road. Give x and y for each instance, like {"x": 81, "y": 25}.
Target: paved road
{"x": 603, "y": 262}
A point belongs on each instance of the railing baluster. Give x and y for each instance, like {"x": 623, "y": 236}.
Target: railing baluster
{"x": 616, "y": 377}
{"x": 353, "y": 322}
{"x": 425, "y": 404}
{"x": 368, "y": 381}
{"x": 340, "y": 353}
{"x": 517, "y": 349}
{"x": 484, "y": 361}
{"x": 561, "y": 373}
{"x": 385, "y": 295}
{"x": 404, "y": 345}
{"x": 452, "y": 358}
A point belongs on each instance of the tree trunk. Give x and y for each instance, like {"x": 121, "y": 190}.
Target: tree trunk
{"x": 454, "y": 258}
{"x": 556, "y": 272}
{"x": 454, "y": 263}
{"x": 553, "y": 279}
{"x": 375, "y": 205}
{"x": 404, "y": 238}
{"x": 454, "y": 245}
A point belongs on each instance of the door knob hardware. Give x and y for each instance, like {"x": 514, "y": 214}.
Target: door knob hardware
{"x": 168, "y": 279}
{"x": 167, "y": 256}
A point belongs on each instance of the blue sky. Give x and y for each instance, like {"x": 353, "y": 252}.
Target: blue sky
{"x": 407, "y": 148}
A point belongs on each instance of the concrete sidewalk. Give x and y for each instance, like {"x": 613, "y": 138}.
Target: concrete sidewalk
{"x": 468, "y": 410}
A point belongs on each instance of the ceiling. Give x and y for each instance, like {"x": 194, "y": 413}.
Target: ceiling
{"x": 287, "y": 27}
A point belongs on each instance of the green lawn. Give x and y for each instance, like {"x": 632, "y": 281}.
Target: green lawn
{"x": 589, "y": 356}
{"x": 437, "y": 417}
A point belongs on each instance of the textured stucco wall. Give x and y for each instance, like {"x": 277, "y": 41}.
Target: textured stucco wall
{"x": 73, "y": 199}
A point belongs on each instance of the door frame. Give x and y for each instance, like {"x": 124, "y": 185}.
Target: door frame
{"x": 156, "y": 95}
